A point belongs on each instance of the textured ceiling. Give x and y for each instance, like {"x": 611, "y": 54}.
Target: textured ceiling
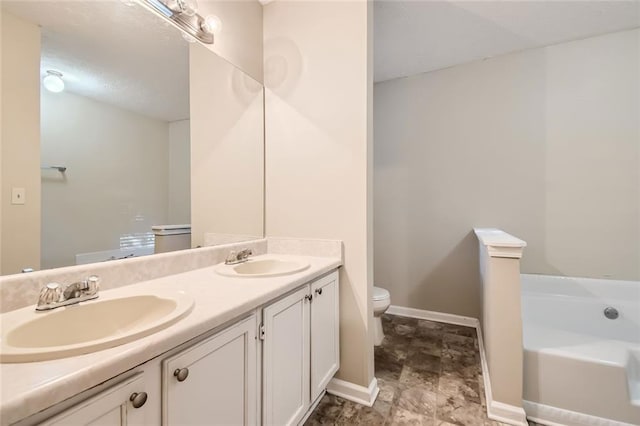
{"x": 117, "y": 54}
{"x": 128, "y": 57}
{"x": 413, "y": 37}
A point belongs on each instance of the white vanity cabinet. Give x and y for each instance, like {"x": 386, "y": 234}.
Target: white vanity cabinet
{"x": 214, "y": 382}
{"x": 266, "y": 368}
{"x": 300, "y": 350}
{"x": 121, "y": 404}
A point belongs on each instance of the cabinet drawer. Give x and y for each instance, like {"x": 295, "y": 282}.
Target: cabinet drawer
{"x": 112, "y": 407}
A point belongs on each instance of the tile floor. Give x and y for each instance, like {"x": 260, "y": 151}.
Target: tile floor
{"x": 428, "y": 373}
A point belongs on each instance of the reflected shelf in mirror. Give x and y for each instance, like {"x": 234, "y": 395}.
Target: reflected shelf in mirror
{"x": 61, "y": 169}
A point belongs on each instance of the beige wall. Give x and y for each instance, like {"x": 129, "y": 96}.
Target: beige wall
{"x": 227, "y": 149}
{"x": 179, "y": 202}
{"x": 318, "y": 145}
{"x": 20, "y": 230}
{"x": 1, "y": 187}
{"x": 117, "y": 177}
{"x": 544, "y": 144}
{"x": 240, "y": 41}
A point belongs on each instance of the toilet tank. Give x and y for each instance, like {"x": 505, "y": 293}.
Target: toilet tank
{"x": 171, "y": 237}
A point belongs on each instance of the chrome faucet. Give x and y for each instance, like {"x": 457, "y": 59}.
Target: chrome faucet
{"x": 53, "y": 296}
{"x": 239, "y": 257}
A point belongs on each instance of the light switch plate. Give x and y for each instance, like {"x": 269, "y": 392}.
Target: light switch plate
{"x": 18, "y": 196}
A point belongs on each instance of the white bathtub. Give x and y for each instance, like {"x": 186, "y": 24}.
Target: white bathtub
{"x": 581, "y": 368}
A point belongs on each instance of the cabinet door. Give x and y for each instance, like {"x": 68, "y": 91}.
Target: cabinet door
{"x": 325, "y": 332}
{"x": 286, "y": 359}
{"x": 112, "y": 407}
{"x": 214, "y": 382}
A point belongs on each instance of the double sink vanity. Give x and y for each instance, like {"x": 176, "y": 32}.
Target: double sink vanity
{"x": 236, "y": 344}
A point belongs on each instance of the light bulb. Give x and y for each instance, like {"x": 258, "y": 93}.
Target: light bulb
{"x": 53, "y": 81}
{"x": 212, "y": 24}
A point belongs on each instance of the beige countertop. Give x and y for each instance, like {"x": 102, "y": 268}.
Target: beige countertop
{"x": 28, "y": 388}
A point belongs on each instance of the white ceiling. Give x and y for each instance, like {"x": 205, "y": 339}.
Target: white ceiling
{"x": 130, "y": 58}
{"x": 412, "y": 37}
{"x": 117, "y": 54}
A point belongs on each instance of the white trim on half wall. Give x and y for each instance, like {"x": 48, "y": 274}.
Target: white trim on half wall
{"x": 352, "y": 392}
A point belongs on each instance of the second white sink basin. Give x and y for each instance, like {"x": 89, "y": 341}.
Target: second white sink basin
{"x": 264, "y": 266}
{"x": 29, "y": 336}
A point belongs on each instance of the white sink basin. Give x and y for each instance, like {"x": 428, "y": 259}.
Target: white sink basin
{"x": 264, "y": 266}
{"x": 90, "y": 326}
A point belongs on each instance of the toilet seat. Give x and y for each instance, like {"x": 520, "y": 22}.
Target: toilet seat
{"x": 380, "y": 294}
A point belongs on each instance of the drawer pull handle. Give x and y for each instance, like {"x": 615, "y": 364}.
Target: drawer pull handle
{"x": 318, "y": 291}
{"x": 138, "y": 399}
{"x": 181, "y": 374}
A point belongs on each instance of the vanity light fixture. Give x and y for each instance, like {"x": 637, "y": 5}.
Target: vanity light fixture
{"x": 53, "y": 81}
{"x": 183, "y": 14}
{"x": 186, "y": 7}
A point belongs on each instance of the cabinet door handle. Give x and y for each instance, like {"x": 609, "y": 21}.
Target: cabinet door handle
{"x": 318, "y": 291}
{"x": 308, "y": 297}
{"x": 138, "y": 399}
{"x": 181, "y": 374}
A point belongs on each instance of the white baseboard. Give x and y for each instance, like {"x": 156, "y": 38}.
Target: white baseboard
{"x": 505, "y": 413}
{"x": 433, "y": 316}
{"x": 553, "y": 416}
{"x": 352, "y": 392}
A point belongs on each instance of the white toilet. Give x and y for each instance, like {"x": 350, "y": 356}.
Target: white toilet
{"x": 381, "y": 302}
{"x": 171, "y": 237}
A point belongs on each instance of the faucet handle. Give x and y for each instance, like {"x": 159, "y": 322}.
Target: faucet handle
{"x": 51, "y": 293}
{"x": 231, "y": 257}
{"x": 244, "y": 254}
{"x": 93, "y": 284}
{"x": 238, "y": 257}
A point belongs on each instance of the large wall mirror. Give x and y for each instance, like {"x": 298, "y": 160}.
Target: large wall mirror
{"x": 121, "y": 137}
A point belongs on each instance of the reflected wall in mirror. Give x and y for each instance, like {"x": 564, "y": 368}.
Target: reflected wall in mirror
{"x": 227, "y": 117}
{"x": 136, "y": 139}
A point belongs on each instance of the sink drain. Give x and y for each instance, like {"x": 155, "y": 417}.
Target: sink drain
{"x": 611, "y": 313}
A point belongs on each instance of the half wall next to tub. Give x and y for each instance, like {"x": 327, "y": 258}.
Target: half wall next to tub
{"x": 501, "y": 323}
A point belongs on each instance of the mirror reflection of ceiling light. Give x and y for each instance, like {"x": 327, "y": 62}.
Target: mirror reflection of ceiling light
{"x": 53, "y": 81}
